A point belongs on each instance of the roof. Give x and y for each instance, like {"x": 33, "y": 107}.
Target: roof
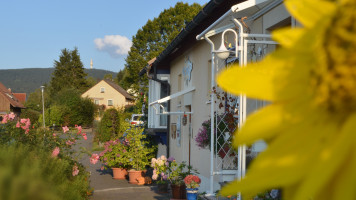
{"x": 187, "y": 37}
{"x": 119, "y": 89}
{"x": 10, "y": 97}
{"x": 20, "y": 96}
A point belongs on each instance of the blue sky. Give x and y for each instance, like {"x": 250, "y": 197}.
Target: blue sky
{"x": 32, "y": 33}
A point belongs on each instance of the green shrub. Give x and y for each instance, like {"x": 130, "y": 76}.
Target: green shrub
{"x": 33, "y": 115}
{"x": 109, "y": 126}
{"x": 27, "y": 173}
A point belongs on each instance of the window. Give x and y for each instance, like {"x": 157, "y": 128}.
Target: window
{"x": 164, "y": 93}
{"x": 102, "y": 90}
{"x": 110, "y": 102}
{"x": 96, "y": 102}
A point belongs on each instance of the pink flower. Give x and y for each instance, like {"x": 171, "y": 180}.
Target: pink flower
{"x": 94, "y": 158}
{"x": 25, "y": 123}
{"x": 54, "y": 135}
{"x": 65, "y": 129}
{"x": 84, "y": 136}
{"x": 12, "y": 116}
{"x": 75, "y": 170}
{"x": 4, "y": 120}
{"x": 68, "y": 142}
{"x": 27, "y": 131}
{"x": 18, "y": 125}
{"x": 154, "y": 176}
{"x": 55, "y": 152}
{"x": 79, "y": 128}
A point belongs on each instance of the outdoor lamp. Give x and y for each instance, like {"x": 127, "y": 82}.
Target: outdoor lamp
{"x": 223, "y": 52}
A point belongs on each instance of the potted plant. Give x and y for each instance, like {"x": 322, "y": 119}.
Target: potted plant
{"x": 192, "y": 183}
{"x": 175, "y": 174}
{"x": 160, "y": 167}
{"x": 115, "y": 156}
{"x": 139, "y": 153}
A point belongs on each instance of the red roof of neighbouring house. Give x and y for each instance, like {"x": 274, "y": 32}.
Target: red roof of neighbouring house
{"x": 20, "y": 96}
{"x": 13, "y": 100}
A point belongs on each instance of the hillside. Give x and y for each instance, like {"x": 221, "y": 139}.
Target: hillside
{"x": 28, "y": 80}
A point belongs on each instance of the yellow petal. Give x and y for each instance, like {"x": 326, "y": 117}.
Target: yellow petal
{"x": 329, "y": 159}
{"x": 287, "y": 159}
{"x": 263, "y": 124}
{"x": 346, "y": 180}
{"x": 309, "y": 12}
{"x": 287, "y": 37}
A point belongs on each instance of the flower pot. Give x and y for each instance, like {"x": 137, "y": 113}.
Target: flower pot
{"x": 162, "y": 187}
{"x": 192, "y": 193}
{"x": 119, "y": 173}
{"x": 134, "y": 175}
{"x": 178, "y": 191}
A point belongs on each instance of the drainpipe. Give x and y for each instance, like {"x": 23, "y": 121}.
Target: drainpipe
{"x": 212, "y": 124}
{"x": 154, "y": 78}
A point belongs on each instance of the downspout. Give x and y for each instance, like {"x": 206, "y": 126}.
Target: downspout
{"x": 212, "y": 124}
{"x": 154, "y": 78}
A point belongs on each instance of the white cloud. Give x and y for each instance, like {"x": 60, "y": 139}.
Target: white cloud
{"x": 115, "y": 45}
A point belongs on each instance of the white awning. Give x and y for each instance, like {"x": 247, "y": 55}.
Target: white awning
{"x": 167, "y": 98}
{"x": 175, "y": 95}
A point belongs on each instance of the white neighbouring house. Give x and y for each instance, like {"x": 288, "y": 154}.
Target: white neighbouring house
{"x": 182, "y": 77}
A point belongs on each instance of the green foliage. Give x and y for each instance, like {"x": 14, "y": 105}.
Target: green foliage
{"x": 34, "y": 100}
{"x": 31, "y": 173}
{"x": 152, "y": 39}
{"x": 139, "y": 153}
{"x": 116, "y": 154}
{"x": 69, "y": 72}
{"x": 109, "y": 126}
{"x": 33, "y": 115}
{"x": 70, "y": 108}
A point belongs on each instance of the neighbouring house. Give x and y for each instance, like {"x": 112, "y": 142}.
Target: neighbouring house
{"x": 21, "y": 97}
{"x": 183, "y": 93}
{"x": 9, "y": 102}
{"x": 108, "y": 94}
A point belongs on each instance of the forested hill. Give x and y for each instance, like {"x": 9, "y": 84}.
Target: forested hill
{"x": 28, "y": 80}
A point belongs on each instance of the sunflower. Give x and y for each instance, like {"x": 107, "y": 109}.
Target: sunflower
{"x": 310, "y": 125}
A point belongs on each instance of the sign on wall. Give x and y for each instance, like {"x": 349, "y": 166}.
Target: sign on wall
{"x": 187, "y": 72}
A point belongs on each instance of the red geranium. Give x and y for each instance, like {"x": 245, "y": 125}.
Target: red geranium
{"x": 192, "y": 181}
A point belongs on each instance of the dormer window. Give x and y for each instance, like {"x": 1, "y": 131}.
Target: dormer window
{"x": 102, "y": 90}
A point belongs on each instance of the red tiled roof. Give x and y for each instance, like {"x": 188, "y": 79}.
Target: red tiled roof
{"x": 20, "y": 96}
{"x": 10, "y": 97}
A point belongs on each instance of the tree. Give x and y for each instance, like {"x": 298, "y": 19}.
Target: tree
{"x": 69, "y": 72}
{"x": 151, "y": 40}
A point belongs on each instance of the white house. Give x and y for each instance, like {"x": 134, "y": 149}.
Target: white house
{"x": 182, "y": 79}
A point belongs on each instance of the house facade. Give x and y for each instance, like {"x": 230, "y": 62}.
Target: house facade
{"x": 183, "y": 91}
{"x": 9, "y": 102}
{"x": 108, "y": 94}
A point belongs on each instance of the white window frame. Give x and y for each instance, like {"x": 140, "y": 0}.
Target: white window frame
{"x": 153, "y": 95}
{"x": 96, "y": 101}
{"x": 102, "y": 90}
{"x": 112, "y": 102}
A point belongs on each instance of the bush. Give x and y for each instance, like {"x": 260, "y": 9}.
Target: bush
{"x": 81, "y": 110}
{"x": 109, "y": 126}
{"x": 33, "y": 115}
{"x": 27, "y": 173}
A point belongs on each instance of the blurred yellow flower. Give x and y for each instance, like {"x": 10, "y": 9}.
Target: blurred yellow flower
{"x": 310, "y": 127}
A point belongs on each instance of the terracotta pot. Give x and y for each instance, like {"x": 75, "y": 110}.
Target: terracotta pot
{"x": 134, "y": 175}
{"x": 178, "y": 191}
{"x": 119, "y": 173}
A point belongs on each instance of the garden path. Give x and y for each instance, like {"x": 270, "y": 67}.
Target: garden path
{"x": 106, "y": 188}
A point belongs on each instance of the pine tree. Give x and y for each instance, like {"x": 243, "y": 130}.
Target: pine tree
{"x": 69, "y": 72}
